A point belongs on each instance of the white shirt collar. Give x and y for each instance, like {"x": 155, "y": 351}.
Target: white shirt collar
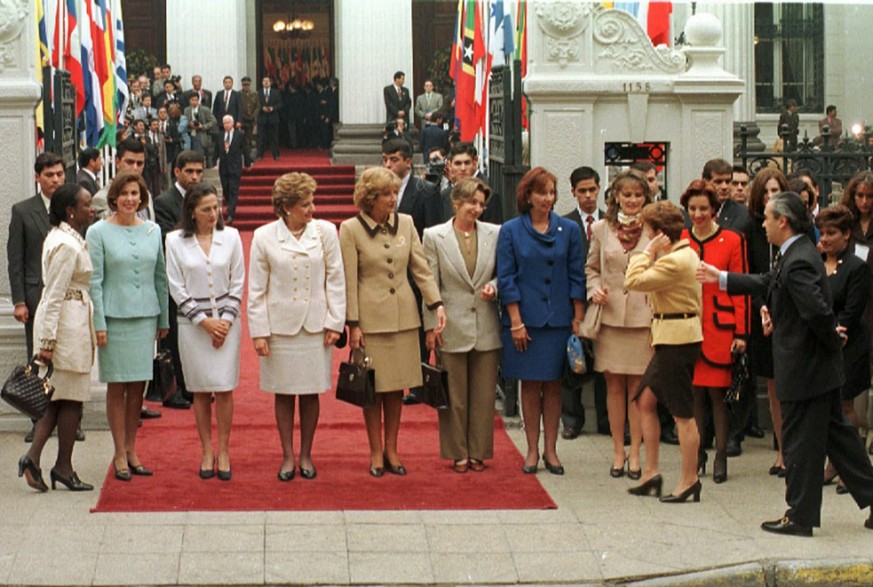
{"x": 403, "y": 183}
{"x": 584, "y": 215}
{"x": 182, "y": 190}
{"x": 45, "y": 201}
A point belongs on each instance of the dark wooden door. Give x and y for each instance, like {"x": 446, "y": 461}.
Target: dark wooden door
{"x": 145, "y": 27}
{"x": 433, "y": 30}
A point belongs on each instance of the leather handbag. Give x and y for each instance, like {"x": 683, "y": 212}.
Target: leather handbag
{"x": 435, "y": 383}
{"x": 356, "y": 383}
{"x": 590, "y": 327}
{"x": 26, "y": 391}
{"x": 163, "y": 380}
{"x": 739, "y": 377}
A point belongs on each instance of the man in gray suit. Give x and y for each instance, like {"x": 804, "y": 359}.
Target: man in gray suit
{"x": 427, "y": 104}
{"x": 90, "y": 165}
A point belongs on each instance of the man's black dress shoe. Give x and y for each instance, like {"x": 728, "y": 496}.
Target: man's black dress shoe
{"x": 411, "y": 400}
{"x": 754, "y": 431}
{"x": 668, "y": 436}
{"x": 570, "y": 433}
{"x": 786, "y": 527}
{"x": 177, "y": 403}
{"x": 733, "y": 448}
{"x": 149, "y": 414}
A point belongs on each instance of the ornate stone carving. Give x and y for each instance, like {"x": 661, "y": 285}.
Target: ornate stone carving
{"x": 13, "y": 18}
{"x": 563, "y": 23}
{"x": 627, "y": 45}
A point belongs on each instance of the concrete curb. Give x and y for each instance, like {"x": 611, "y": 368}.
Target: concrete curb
{"x": 769, "y": 573}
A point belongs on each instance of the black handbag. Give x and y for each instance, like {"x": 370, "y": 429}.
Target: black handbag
{"x": 739, "y": 377}
{"x": 163, "y": 377}
{"x": 356, "y": 383}
{"x": 26, "y": 391}
{"x": 435, "y": 383}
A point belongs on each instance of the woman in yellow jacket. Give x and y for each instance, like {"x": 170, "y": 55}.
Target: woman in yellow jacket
{"x": 665, "y": 271}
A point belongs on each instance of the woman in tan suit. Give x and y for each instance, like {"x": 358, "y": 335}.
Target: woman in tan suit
{"x": 666, "y": 272}
{"x": 462, "y": 254}
{"x": 622, "y": 350}
{"x": 378, "y": 246}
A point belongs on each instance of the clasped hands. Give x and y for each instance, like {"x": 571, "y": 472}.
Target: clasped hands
{"x": 217, "y": 330}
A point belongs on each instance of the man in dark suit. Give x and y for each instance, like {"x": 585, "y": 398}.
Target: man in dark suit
{"x": 228, "y": 101}
{"x": 270, "y": 100}
{"x": 197, "y": 88}
{"x": 397, "y": 100}
{"x": 808, "y": 368}
{"x": 168, "y": 96}
{"x": 90, "y": 164}
{"x": 463, "y": 162}
{"x": 230, "y": 153}
{"x": 731, "y": 215}
{"x": 433, "y": 134}
{"x": 585, "y": 185}
{"x": 168, "y": 210}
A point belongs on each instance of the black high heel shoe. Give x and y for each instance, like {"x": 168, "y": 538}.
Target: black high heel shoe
{"x": 308, "y": 473}
{"x": 224, "y": 475}
{"x": 553, "y": 469}
{"x": 32, "y": 474}
{"x": 702, "y": 458}
{"x": 692, "y": 492}
{"x": 653, "y": 486}
{"x": 719, "y": 468}
{"x": 140, "y": 470}
{"x": 530, "y": 469}
{"x": 617, "y": 472}
{"x": 285, "y": 476}
{"x": 73, "y": 483}
{"x": 121, "y": 474}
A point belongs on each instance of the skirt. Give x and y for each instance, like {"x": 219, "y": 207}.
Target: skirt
{"x": 206, "y": 368}
{"x": 544, "y": 359}
{"x": 129, "y": 350}
{"x": 70, "y": 386}
{"x": 669, "y": 376}
{"x": 708, "y": 375}
{"x": 297, "y": 365}
{"x": 623, "y": 351}
{"x": 396, "y": 357}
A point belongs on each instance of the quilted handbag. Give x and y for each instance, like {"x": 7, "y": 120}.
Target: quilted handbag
{"x": 356, "y": 383}
{"x": 26, "y": 391}
{"x": 740, "y": 375}
{"x": 435, "y": 382}
{"x": 163, "y": 380}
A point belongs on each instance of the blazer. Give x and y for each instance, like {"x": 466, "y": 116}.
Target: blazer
{"x": 671, "y": 284}
{"x": 376, "y": 260}
{"x": 63, "y": 323}
{"x": 807, "y": 352}
{"x": 395, "y": 103}
{"x": 623, "y": 309}
{"x": 850, "y": 287}
{"x": 230, "y": 162}
{"x": 296, "y": 284}
{"x": 473, "y": 323}
{"x": 577, "y": 218}
{"x": 234, "y": 106}
{"x": 84, "y": 179}
{"x": 734, "y": 216}
{"x": 205, "y": 118}
{"x": 28, "y": 227}
{"x": 275, "y": 102}
{"x": 206, "y": 286}
{"x": 168, "y": 209}
{"x": 205, "y": 97}
{"x": 422, "y": 106}
{"x": 414, "y": 200}
{"x": 129, "y": 278}
{"x": 542, "y": 273}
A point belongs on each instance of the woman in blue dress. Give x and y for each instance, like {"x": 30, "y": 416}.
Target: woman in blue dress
{"x": 541, "y": 280}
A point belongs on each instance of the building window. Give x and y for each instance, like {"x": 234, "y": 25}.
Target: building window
{"x": 789, "y": 56}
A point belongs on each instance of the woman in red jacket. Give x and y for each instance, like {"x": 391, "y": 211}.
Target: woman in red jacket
{"x": 724, "y": 318}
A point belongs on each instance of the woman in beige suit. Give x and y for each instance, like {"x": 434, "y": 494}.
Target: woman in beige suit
{"x": 378, "y": 246}
{"x": 296, "y": 311}
{"x": 622, "y": 350}
{"x": 462, "y": 254}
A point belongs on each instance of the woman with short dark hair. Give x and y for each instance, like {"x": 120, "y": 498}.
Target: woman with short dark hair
{"x": 62, "y": 329}
{"x": 541, "y": 280}
{"x": 206, "y": 272}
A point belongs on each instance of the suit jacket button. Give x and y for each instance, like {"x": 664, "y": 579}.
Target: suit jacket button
{"x": 548, "y": 281}
{"x": 390, "y": 275}
{"x": 472, "y": 309}
{"x": 390, "y": 260}
{"x": 391, "y": 291}
{"x": 387, "y": 246}
{"x": 550, "y": 262}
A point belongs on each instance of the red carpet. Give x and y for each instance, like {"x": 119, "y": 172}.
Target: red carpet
{"x": 171, "y": 448}
{"x": 333, "y": 197}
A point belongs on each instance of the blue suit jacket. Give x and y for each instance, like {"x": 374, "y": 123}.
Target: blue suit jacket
{"x": 543, "y": 273}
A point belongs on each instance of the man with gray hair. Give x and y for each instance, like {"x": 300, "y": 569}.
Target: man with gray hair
{"x": 230, "y": 152}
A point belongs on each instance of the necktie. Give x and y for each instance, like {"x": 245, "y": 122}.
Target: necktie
{"x": 164, "y": 127}
{"x": 267, "y": 95}
{"x": 589, "y": 221}
{"x": 226, "y": 99}
{"x": 226, "y": 141}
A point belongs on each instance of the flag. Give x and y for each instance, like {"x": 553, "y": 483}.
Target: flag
{"x": 73, "y": 54}
{"x": 122, "y": 92}
{"x": 466, "y": 98}
{"x": 653, "y": 16}
{"x": 521, "y": 53}
{"x": 41, "y": 55}
{"x": 102, "y": 53}
{"x": 93, "y": 89}
{"x": 500, "y": 40}
{"x": 483, "y": 68}
{"x": 457, "y": 44}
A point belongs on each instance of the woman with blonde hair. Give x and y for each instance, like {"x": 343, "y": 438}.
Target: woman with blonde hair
{"x": 378, "y": 247}
{"x": 296, "y": 311}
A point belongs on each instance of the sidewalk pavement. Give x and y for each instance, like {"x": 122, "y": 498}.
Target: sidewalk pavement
{"x": 599, "y": 534}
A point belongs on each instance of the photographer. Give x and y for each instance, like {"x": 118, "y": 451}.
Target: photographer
{"x": 435, "y": 173}
{"x": 434, "y": 135}
{"x": 201, "y": 125}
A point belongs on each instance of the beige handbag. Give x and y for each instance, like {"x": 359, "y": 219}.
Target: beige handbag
{"x": 590, "y": 327}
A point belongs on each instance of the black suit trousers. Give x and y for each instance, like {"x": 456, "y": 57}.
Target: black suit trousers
{"x": 268, "y": 137}
{"x": 572, "y": 410}
{"x": 230, "y": 189}
{"x": 812, "y": 430}
{"x": 171, "y": 343}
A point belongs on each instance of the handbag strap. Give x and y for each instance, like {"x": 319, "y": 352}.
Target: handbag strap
{"x": 365, "y": 360}
{"x": 33, "y": 367}
{"x": 438, "y": 356}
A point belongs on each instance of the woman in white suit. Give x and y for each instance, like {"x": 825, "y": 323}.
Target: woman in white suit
{"x": 206, "y": 273}
{"x": 296, "y": 310}
{"x": 462, "y": 255}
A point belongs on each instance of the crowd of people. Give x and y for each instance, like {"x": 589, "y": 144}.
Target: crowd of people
{"x": 679, "y": 292}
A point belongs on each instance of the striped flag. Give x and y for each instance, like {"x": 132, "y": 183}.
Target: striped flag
{"x": 521, "y": 53}
{"x": 101, "y": 36}
{"x": 653, "y": 16}
{"x": 122, "y": 91}
{"x": 73, "y": 54}
{"x": 91, "y": 81}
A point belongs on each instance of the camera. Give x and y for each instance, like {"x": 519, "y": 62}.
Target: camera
{"x": 435, "y": 171}
{"x": 176, "y": 79}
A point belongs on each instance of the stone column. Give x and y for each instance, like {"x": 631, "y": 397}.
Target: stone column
{"x": 217, "y": 46}
{"x": 373, "y": 40}
{"x": 19, "y": 92}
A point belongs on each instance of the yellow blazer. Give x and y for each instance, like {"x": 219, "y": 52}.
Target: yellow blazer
{"x": 672, "y": 286}
{"x": 376, "y": 258}
{"x": 623, "y": 309}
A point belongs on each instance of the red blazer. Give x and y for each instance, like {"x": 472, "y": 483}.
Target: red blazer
{"x": 725, "y": 317}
